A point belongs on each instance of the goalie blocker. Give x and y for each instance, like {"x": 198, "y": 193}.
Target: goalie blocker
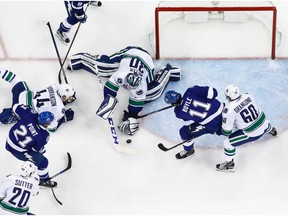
{"x": 107, "y": 107}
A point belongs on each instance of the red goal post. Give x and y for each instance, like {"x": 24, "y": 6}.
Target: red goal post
{"x": 163, "y": 9}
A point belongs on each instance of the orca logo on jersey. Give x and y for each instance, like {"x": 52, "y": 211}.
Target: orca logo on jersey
{"x": 120, "y": 81}
{"x": 140, "y": 92}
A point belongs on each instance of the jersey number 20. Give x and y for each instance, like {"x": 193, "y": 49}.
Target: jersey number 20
{"x": 24, "y": 197}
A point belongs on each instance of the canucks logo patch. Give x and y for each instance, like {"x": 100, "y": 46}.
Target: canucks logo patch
{"x": 119, "y": 81}
{"x": 140, "y": 92}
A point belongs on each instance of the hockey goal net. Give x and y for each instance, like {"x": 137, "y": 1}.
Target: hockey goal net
{"x": 219, "y": 28}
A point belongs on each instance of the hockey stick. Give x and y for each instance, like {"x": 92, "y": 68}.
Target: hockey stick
{"x": 55, "y": 196}
{"x": 163, "y": 148}
{"x": 69, "y": 165}
{"x": 117, "y": 145}
{"x": 73, "y": 39}
{"x": 58, "y": 55}
{"x": 155, "y": 111}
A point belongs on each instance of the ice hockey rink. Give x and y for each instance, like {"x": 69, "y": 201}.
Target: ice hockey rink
{"x": 103, "y": 181}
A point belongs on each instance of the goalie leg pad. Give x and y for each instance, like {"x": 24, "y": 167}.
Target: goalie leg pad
{"x": 107, "y": 107}
{"x": 129, "y": 127}
{"x": 162, "y": 78}
{"x": 83, "y": 61}
{"x": 95, "y": 64}
{"x": 175, "y": 72}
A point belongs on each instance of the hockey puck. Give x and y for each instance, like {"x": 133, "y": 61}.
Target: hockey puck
{"x": 128, "y": 141}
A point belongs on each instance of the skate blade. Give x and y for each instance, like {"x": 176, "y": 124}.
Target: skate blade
{"x": 229, "y": 170}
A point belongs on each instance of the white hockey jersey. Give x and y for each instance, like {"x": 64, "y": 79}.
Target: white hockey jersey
{"x": 245, "y": 115}
{"x": 46, "y": 99}
{"x": 15, "y": 193}
{"x": 142, "y": 64}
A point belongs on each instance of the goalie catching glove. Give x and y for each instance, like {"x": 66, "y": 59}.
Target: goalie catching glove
{"x": 129, "y": 124}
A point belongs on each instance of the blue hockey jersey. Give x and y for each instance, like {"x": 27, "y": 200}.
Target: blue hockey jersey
{"x": 26, "y": 134}
{"x": 75, "y": 7}
{"x": 199, "y": 104}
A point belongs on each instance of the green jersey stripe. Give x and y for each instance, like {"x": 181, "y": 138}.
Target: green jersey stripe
{"x": 8, "y": 77}
{"x": 136, "y": 103}
{"x": 261, "y": 119}
{"x": 112, "y": 86}
{"x": 238, "y": 139}
{"x": 29, "y": 99}
{"x": 225, "y": 132}
{"x": 13, "y": 209}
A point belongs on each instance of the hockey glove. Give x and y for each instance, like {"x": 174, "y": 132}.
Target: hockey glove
{"x": 127, "y": 115}
{"x": 129, "y": 127}
{"x": 81, "y": 18}
{"x": 69, "y": 115}
{"x": 8, "y": 117}
{"x": 129, "y": 124}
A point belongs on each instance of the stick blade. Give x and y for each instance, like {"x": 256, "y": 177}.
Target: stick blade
{"x": 125, "y": 150}
{"x": 69, "y": 161}
{"x": 162, "y": 147}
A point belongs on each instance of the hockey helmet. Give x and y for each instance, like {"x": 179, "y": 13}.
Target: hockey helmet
{"x": 28, "y": 169}
{"x": 232, "y": 92}
{"x": 133, "y": 80}
{"x": 67, "y": 93}
{"x": 45, "y": 118}
{"x": 172, "y": 97}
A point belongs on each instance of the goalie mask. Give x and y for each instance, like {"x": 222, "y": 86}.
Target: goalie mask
{"x": 232, "y": 92}
{"x": 132, "y": 81}
{"x": 67, "y": 93}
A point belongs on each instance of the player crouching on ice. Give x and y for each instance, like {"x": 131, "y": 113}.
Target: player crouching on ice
{"x": 243, "y": 122}
{"x": 133, "y": 69}
{"x": 200, "y": 105}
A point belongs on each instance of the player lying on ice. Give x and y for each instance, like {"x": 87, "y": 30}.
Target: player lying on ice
{"x": 133, "y": 69}
{"x": 52, "y": 99}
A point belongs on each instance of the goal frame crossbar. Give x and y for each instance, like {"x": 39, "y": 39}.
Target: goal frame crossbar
{"x": 187, "y": 9}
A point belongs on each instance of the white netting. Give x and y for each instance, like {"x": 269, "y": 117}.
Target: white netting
{"x": 181, "y": 21}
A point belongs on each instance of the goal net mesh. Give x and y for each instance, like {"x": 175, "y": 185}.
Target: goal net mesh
{"x": 191, "y": 29}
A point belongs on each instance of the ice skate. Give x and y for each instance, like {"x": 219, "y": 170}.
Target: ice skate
{"x": 62, "y": 36}
{"x": 96, "y": 3}
{"x": 48, "y": 184}
{"x": 184, "y": 154}
{"x": 227, "y": 166}
{"x": 273, "y": 132}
